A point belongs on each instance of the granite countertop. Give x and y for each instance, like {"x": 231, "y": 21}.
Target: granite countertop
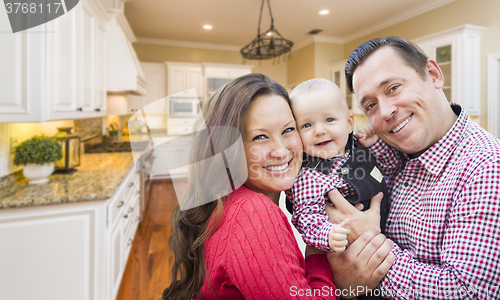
{"x": 97, "y": 178}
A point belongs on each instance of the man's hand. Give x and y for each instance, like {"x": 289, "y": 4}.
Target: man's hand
{"x": 337, "y": 237}
{"x": 363, "y": 264}
{"x": 366, "y": 136}
{"x": 359, "y": 221}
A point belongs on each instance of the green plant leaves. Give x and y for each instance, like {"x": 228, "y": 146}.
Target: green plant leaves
{"x": 38, "y": 150}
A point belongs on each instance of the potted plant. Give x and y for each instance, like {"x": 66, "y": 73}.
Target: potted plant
{"x": 113, "y": 135}
{"x": 38, "y": 155}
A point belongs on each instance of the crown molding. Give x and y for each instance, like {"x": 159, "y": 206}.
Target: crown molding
{"x": 397, "y": 19}
{"x": 328, "y": 39}
{"x": 162, "y": 42}
{"x": 317, "y": 39}
{"x": 467, "y": 28}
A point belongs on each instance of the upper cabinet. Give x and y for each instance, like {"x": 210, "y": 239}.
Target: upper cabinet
{"x": 217, "y": 75}
{"x": 338, "y": 77}
{"x": 56, "y": 70}
{"x": 457, "y": 53}
{"x": 184, "y": 76}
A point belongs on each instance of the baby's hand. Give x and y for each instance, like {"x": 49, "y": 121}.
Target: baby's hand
{"x": 338, "y": 236}
{"x": 366, "y": 136}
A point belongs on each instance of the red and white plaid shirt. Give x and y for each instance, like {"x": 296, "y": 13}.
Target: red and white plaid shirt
{"x": 308, "y": 195}
{"x": 445, "y": 216}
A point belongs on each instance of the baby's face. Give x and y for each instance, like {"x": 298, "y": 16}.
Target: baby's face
{"x": 324, "y": 123}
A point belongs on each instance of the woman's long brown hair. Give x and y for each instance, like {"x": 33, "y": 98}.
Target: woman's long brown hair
{"x": 191, "y": 227}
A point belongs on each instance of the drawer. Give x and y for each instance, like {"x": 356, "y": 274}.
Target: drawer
{"x": 131, "y": 182}
{"x": 115, "y": 208}
{"x": 129, "y": 234}
{"x": 129, "y": 209}
{"x": 179, "y": 129}
{"x": 181, "y": 122}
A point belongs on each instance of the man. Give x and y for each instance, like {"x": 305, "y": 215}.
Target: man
{"x": 443, "y": 179}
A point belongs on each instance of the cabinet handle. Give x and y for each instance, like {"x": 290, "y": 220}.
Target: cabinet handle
{"x": 130, "y": 241}
{"x": 137, "y": 219}
{"x": 131, "y": 184}
{"x": 125, "y": 216}
{"x": 130, "y": 209}
{"x": 97, "y": 109}
{"x": 138, "y": 192}
{"x": 120, "y": 204}
{"x": 79, "y": 109}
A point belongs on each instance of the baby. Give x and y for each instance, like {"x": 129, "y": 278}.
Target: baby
{"x": 333, "y": 159}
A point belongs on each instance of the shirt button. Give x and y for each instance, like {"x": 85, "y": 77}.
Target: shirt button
{"x": 345, "y": 171}
{"x": 389, "y": 222}
{"x": 406, "y": 184}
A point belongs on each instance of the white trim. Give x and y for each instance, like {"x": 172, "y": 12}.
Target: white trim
{"x": 305, "y": 42}
{"x": 216, "y": 65}
{"x": 127, "y": 30}
{"x": 328, "y": 39}
{"x": 467, "y": 28}
{"x": 431, "y": 5}
{"x": 162, "y": 42}
{"x": 493, "y": 92}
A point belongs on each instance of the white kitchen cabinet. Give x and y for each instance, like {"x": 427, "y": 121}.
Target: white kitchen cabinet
{"x": 457, "y": 52}
{"x": 217, "y": 75}
{"x": 66, "y": 251}
{"x": 338, "y": 77}
{"x": 52, "y": 71}
{"x": 123, "y": 104}
{"x": 172, "y": 156}
{"x": 180, "y": 126}
{"x": 155, "y": 94}
{"x": 184, "y": 76}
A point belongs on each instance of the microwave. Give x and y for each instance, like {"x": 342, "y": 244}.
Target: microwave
{"x": 180, "y": 107}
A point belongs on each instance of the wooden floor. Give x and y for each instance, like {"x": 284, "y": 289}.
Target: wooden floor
{"x": 149, "y": 266}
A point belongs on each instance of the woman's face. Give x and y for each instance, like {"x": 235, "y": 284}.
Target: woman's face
{"x": 272, "y": 145}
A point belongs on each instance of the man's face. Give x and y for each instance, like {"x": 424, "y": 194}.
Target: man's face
{"x": 405, "y": 110}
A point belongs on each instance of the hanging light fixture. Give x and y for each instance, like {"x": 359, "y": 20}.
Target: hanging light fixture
{"x": 267, "y": 45}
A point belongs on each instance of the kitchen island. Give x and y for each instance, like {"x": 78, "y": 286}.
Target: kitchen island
{"x": 70, "y": 237}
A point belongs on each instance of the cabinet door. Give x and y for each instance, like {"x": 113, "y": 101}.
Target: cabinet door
{"x": 134, "y": 103}
{"x": 115, "y": 260}
{"x": 176, "y": 80}
{"x": 338, "y": 77}
{"x": 100, "y": 75}
{"x": 67, "y": 75}
{"x": 194, "y": 80}
{"x": 87, "y": 49}
{"x": 52, "y": 253}
{"x": 155, "y": 79}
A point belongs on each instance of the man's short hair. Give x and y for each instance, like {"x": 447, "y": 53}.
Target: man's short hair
{"x": 411, "y": 54}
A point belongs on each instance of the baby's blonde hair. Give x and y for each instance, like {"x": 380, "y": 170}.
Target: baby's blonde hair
{"x": 312, "y": 85}
{"x": 315, "y": 84}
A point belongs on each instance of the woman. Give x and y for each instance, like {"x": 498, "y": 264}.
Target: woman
{"x": 241, "y": 245}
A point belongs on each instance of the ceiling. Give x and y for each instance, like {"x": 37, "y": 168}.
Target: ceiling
{"x": 235, "y": 21}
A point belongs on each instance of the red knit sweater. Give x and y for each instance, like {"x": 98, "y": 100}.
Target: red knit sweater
{"x": 254, "y": 255}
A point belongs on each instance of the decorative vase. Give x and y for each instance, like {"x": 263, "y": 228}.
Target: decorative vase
{"x": 37, "y": 174}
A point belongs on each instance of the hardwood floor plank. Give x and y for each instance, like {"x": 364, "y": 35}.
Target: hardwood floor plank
{"x": 149, "y": 266}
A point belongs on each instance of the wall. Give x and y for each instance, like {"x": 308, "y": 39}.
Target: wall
{"x": 162, "y": 53}
{"x": 301, "y": 66}
{"x": 482, "y": 13}
{"x": 324, "y": 55}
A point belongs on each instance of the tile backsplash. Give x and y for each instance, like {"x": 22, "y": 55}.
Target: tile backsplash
{"x": 86, "y": 128}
